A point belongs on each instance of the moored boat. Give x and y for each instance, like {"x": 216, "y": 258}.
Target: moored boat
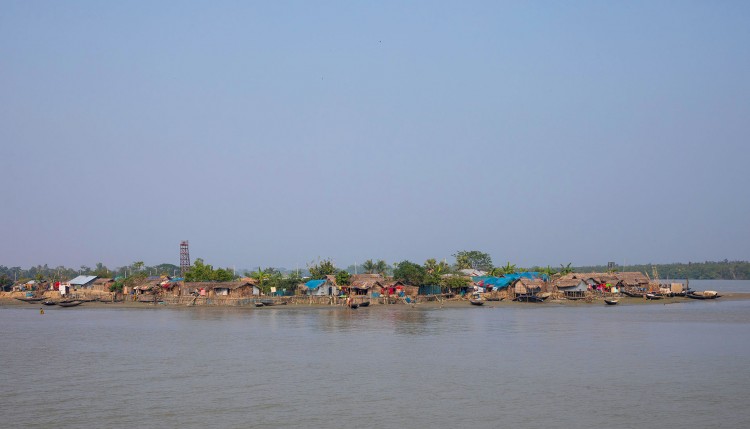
{"x": 476, "y": 302}
{"x": 529, "y": 298}
{"x": 69, "y": 303}
{"x": 49, "y": 303}
{"x": 364, "y": 304}
{"x": 708, "y": 294}
{"x": 654, "y": 296}
{"x": 611, "y": 301}
{"x": 31, "y": 300}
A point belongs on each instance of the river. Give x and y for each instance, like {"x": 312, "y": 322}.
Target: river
{"x": 527, "y": 366}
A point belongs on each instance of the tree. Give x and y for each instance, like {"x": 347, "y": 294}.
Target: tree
{"x": 343, "y": 278}
{"x": 223, "y": 275}
{"x": 322, "y": 269}
{"x": 261, "y": 276}
{"x": 548, "y": 271}
{"x": 509, "y": 268}
{"x": 381, "y": 267}
{"x": 455, "y": 282}
{"x": 409, "y": 273}
{"x": 369, "y": 266}
{"x": 566, "y": 269}
{"x": 101, "y": 270}
{"x": 433, "y": 266}
{"x": 199, "y": 272}
{"x": 473, "y": 259}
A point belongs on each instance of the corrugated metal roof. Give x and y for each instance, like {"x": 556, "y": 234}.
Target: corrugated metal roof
{"x": 82, "y": 280}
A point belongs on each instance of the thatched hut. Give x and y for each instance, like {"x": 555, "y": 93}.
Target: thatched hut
{"x": 364, "y": 284}
{"x": 102, "y": 284}
{"x": 524, "y": 286}
{"x": 570, "y": 287}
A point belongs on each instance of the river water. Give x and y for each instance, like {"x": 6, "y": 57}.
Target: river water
{"x": 680, "y": 365}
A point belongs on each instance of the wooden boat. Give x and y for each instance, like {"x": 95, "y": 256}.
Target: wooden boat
{"x": 258, "y": 304}
{"x": 69, "y": 304}
{"x": 476, "y": 302}
{"x": 49, "y": 303}
{"x": 353, "y": 306}
{"x": 632, "y": 294}
{"x": 31, "y": 300}
{"x": 654, "y": 296}
{"x": 611, "y": 301}
{"x": 364, "y": 304}
{"x": 529, "y": 298}
{"x": 708, "y": 294}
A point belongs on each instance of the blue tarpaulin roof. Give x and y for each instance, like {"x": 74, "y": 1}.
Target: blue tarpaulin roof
{"x": 506, "y": 280}
{"x": 314, "y": 284}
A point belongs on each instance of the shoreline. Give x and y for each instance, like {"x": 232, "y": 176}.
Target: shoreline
{"x": 452, "y": 303}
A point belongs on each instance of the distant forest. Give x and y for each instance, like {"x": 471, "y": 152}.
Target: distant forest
{"x": 709, "y": 270}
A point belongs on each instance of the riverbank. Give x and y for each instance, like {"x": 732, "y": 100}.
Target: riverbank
{"x": 448, "y": 303}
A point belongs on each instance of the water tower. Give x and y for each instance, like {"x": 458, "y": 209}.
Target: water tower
{"x": 184, "y": 258}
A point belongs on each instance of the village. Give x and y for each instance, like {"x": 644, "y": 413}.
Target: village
{"x": 472, "y": 286}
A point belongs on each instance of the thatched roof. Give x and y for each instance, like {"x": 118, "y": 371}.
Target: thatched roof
{"x": 366, "y": 281}
{"x": 632, "y": 278}
{"x": 524, "y": 285}
{"x": 563, "y": 282}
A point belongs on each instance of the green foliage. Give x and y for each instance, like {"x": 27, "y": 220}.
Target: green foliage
{"x": 101, "y": 270}
{"x": 506, "y": 269}
{"x": 5, "y": 281}
{"x": 117, "y": 286}
{"x": 455, "y": 282}
{"x": 368, "y": 266}
{"x": 202, "y": 272}
{"x": 343, "y": 278}
{"x": 548, "y": 271}
{"x": 409, "y": 273}
{"x": 473, "y": 259}
{"x": 288, "y": 282}
{"x": 322, "y": 269}
{"x": 433, "y": 266}
{"x": 566, "y": 269}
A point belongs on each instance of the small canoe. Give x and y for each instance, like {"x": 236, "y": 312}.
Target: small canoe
{"x": 364, "y": 304}
{"x": 654, "y": 296}
{"x": 49, "y": 303}
{"x": 353, "y": 306}
{"x": 31, "y": 300}
{"x": 259, "y": 304}
{"x": 69, "y": 304}
{"x": 611, "y": 301}
{"x": 528, "y": 298}
{"x": 476, "y": 302}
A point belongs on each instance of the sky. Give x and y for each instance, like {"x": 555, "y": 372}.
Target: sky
{"x": 276, "y": 133}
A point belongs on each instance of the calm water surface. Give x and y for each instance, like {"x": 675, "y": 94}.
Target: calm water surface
{"x": 668, "y": 366}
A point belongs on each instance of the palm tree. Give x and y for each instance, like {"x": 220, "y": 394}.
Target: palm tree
{"x": 509, "y": 268}
{"x": 566, "y": 269}
{"x": 369, "y": 266}
{"x": 261, "y": 276}
{"x": 381, "y": 267}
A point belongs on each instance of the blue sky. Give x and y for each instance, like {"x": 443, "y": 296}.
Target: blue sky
{"x": 274, "y": 133}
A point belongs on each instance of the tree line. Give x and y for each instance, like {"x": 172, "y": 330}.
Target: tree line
{"x": 430, "y": 272}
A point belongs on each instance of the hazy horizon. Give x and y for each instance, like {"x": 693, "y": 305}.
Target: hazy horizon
{"x": 274, "y": 133}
